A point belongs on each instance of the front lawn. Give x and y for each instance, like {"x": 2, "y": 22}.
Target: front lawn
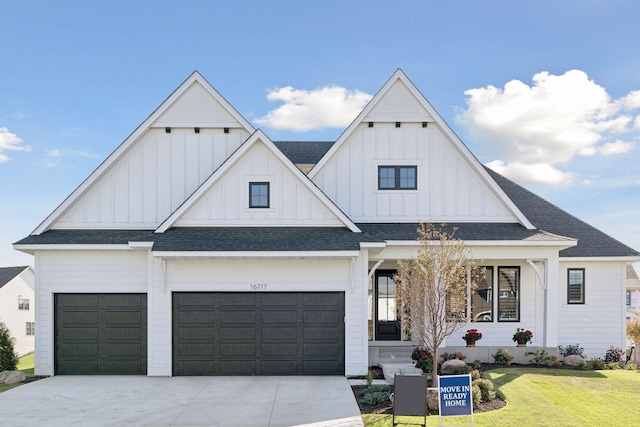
{"x": 554, "y": 397}
{"x": 25, "y": 364}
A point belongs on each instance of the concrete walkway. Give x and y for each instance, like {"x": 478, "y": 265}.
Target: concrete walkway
{"x": 181, "y": 401}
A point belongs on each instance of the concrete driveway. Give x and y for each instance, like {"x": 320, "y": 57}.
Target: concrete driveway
{"x": 181, "y": 401}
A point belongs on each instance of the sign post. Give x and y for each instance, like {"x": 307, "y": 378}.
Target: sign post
{"x": 455, "y": 397}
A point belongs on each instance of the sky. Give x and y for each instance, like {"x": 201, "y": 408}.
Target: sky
{"x": 546, "y": 93}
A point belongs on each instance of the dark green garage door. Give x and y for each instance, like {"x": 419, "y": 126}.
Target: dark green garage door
{"x": 100, "y": 334}
{"x": 225, "y": 333}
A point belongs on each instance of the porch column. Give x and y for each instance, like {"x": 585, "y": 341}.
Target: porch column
{"x": 551, "y": 305}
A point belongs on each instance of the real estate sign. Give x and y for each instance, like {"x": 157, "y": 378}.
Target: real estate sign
{"x": 454, "y": 395}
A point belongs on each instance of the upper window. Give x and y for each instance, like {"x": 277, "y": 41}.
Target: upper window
{"x": 23, "y": 304}
{"x": 575, "y": 286}
{"x": 508, "y": 294}
{"x": 482, "y": 299}
{"x": 258, "y": 194}
{"x": 397, "y": 177}
{"x": 628, "y": 297}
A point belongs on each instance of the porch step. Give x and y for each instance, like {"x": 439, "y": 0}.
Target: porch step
{"x": 391, "y": 369}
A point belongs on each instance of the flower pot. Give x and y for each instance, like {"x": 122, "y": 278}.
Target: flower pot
{"x": 471, "y": 343}
{"x": 522, "y": 343}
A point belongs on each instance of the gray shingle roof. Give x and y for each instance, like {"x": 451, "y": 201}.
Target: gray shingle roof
{"x": 304, "y": 152}
{"x": 214, "y": 238}
{"x": 8, "y": 273}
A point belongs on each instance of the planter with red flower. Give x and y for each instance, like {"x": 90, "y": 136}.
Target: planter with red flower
{"x": 472, "y": 336}
{"x": 423, "y": 359}
{"x": 522, "y": 337}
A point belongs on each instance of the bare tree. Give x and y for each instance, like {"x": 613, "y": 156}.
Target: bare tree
{"x": 434, "y": 288}
{"x": 633, "y": 333}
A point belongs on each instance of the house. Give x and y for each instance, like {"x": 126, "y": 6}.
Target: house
{"x": 201, "y": 247}
{"x": 633, "y": 292}
{"x": 17, "y": 306}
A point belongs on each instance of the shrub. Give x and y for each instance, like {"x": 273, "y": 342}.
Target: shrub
{"x": 476, "y": 395}
{"x": 461, "y": 370}
{"x": 423, "y": 358}
{"x": 451, "y": 356}
{"x": 569, "y": 350}
{"x": 477, "y": 364}
{"x": 596, "y": 363}
{"x": 376, "y": 394}
{"x": 502, "y": 356}
{"x": 475, "y": 375}
{"x": 581, "y": 365}
{"x": 542, "y": 357}
{"x": 614, "y": 354}
{"x": 613, "y": 365}
{"x": 486, "y": 389}
{"x": 8, "y": 355}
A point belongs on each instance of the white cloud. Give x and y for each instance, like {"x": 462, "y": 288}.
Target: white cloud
{"x": 9, "y": 142}
{"x": 532, "y": 132}
{"x": 303, "y": 110}
{"x": 616, "y": 147}
{"x": 54, "y": 155}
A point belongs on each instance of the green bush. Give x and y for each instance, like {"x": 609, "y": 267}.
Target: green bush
{"x": 475, "y": 375}
{"x": 461, "y": 370}
{"x": 376, "y": 394}
{"x": 8, "y": 355}
{"x": 581, "y": 365}
{"x": 486, "y": 389}
{"x": 568, "y": 350}
{"x": 476, "y": 395}
{"x": 502, "y": 356}
{"x": 613, "y": 354}
{"x": 451, "y": 356}
{"x": 596, "y": 363}
{"x": 542, "y": 357}
{"x": 613, "y": 365}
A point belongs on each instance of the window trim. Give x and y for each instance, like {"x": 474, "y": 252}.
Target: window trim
{"x": 518, "y": 294}
{"x": 628, "y": 298}
{"x": 259, "y": 183}
{"x": 397, "y": 181}
{"x": 30, "y": 328}
{"x": 582, "y": 285}
{"x": 23, "y": 304}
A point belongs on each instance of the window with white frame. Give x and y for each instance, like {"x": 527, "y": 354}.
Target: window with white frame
{"x": 23, "y": 304}
{"x": 31, "y": 328}
{"x": 575, "y": 286}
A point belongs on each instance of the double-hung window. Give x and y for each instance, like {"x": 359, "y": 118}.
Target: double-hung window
{"x": 23, "y": 304}
{"x": 31, "y": 328}
{"x": 397, "y": 177}
{"x": 508, "y": 294}
{"x": 258, "y": 194}
{"x": 575, "y": 286}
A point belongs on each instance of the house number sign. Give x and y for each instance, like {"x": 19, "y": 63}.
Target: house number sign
{"x": 258, "y": 286}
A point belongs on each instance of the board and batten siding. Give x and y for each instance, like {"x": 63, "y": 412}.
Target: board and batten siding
{"x": 448, "y": 187}
{"x": 599, "y": 322}
{"x": 152, "y": 179}
{"x": 80, "y": 272}
{"x": 227, "y": 201}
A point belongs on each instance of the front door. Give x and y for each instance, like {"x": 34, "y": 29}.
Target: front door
{"x": 386, "y": 312}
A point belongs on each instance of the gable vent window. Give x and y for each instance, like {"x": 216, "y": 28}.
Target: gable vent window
{"x": 575, "y": 286}
{"x": 258, "y": 194}
{"x": 397, "y": 177}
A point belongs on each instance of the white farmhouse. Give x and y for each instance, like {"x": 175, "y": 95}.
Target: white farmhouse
{"x": 17, "y": 308}
{"x": 201, "y": 247}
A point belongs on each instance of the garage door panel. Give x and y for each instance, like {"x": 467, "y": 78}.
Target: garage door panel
{"x": 100, "y": 334}
{"x": 260, "y": 334}
{"x": 196, "y": 333}
{"x": 191, "y": 317}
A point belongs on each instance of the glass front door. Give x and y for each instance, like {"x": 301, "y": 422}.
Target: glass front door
{"x": 386, "y": 311}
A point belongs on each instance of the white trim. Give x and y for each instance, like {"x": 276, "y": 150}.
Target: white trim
{"x": 131, "y": 140}
{"x": 439, "y": 121}
{"x": 627, "y": 259}
{"x": 228, "y": 164}
{"x": 256, "y": 254}
{"x": 72, "y": 247}
{"x": 141, "y": 245}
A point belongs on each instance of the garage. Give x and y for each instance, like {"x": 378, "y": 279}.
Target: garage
{"x": 100, "y": 334}
{"x": 261, "y": 333}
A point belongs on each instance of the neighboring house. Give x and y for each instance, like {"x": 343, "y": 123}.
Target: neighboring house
{"x": 201, "y": 247}
{"x": 632, "y": 299}
{"x": 17, "y": 306}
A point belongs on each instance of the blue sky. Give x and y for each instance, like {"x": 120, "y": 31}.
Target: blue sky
{"x": 547, "y": 92}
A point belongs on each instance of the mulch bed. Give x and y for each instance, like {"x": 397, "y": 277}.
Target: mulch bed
{"x": 387, "y": 407}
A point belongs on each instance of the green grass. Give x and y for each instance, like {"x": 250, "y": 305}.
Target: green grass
{"x": 26, "y": 365}
{"x": 553, "y": 397}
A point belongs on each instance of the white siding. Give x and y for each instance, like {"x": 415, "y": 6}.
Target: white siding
{"x": 449, "y": 188}
{"x": 598, "y": 323}
{"x": 80, "y": 272}
{"x": 227, "y": 201}
{"x": 21, "y": 286}
{"x": 152, "y": 179}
